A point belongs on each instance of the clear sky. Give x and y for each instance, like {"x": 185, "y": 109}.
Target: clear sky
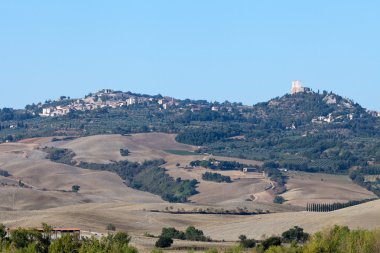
{"x": 233, "y": 50}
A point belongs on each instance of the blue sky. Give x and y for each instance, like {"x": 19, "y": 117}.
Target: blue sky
{"x": 237, "y": 50}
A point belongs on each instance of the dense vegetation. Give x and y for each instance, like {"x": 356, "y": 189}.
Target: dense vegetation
{"x": 147, "y": 176}
{"x": 275, "y": 174}
{"x": 216, "y": 177}
{"x": 337, "y": 240}
{"x": 190, "y": 234}
{"x": 219, "y": 165}
{"x": 312, "y": 131}
{"x": 60, "y": 155}
{"x": 295, "y": 240}
{"x": 333, "y": 240}
{"x": 247, "y": 243}
{"x": 359, "y": 177}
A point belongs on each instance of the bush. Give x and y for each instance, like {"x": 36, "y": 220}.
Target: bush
{"x": 111, "y": 227}
{"x": 4, "y": 173}
{"x": 193, "y": 234}
{"x": 124, "y": 152}
{"x": 164, "y": 242}
{"x": 65, "y": 244}
{"x": 172, "y": 233}
{"x": 75, "y": 188}
{"x": 271, "y": 241}
{"x": 247, "y": 243}
{"x": 3, "y": 232}
{"x": 60, "y": 155}
{"x": 295, "y": 234}
{"x": 278, "y": 200}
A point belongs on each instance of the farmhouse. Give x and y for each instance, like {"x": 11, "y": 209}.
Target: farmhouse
{"x": 57, "y": 233}
{"x": 249, "y": 169}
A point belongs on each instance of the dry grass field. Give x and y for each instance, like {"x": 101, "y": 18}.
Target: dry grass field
{"x": 104, "y": 198}
{"x": 306, "y": 188}
{"x": 106, "y": 148}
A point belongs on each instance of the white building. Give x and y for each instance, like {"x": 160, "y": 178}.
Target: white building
{"x": 297, "y": 87}
{"x": 46, "y": 112}
{"x": 131, "y": 101}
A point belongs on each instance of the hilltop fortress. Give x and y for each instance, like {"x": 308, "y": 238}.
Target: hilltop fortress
{"x": 297, "y": 87}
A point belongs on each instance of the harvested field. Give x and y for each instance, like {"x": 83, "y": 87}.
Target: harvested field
{"x": 306, "y": 188}
{"x": 104, "y": 198}
{"x": 106, "y": 148}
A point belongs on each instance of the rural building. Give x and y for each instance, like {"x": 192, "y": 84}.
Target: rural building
{"x": 249, "y": 169}
{"x": 131, "y": 101}
{"x": 59, "y": 232}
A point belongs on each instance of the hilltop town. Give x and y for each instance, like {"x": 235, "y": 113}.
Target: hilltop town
{"x": 108, "y": 98}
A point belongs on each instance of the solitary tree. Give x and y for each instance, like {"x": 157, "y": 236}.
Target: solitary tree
{"x": 164, "y": 242}
{"x": 75, "y": 188}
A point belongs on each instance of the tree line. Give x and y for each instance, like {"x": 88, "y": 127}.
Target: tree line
{"x": 324, "y": 207}
{"x": 216, "y": 177}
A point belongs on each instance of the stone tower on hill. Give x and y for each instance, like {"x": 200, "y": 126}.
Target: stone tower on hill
{"x": 297, "y": 87}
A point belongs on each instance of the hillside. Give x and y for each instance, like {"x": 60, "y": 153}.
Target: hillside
{"x": 45, "y": 195}
{"x": 308, "y": 131}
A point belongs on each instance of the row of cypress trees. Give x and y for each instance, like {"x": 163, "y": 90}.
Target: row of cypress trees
{"x": 324, "y": 207}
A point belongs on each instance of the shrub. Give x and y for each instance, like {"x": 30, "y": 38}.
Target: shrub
{"x": 271, "y": 241}
{"x": 247, "y": 243}
{"x": 295, "y": 234}
{"x": 172, "y": 233}
{"x": 111, "y": 227}
{"x": 164, "y": 242}
{"x": 65, "y": 244}
{"x": 193, "y": 234}
{"x": 4, "y": 173}
{"x": 75, "y": 188}
{"x": 216, "y": 177}
{"x": 3, "y": 231}
{"x": 124, "y": 152}
{"x": 278, "y": 200}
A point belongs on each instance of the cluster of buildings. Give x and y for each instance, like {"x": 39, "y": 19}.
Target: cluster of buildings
{"x": 106, "y": 99}
{"x": 374, "y": 113}
{"x": 115, "y": 99}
